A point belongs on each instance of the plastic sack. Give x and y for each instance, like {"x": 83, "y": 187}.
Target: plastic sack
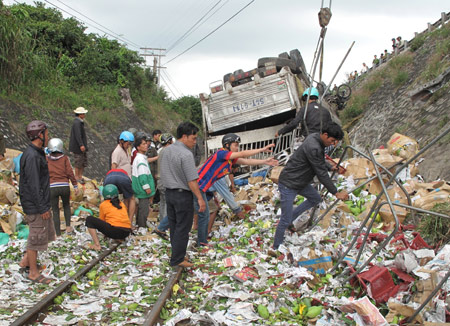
{"x": 4, "y": 238}
{"x": 16, "y": 161}
{"x": 23, "y": 231}
{"x": 81, "y": 208}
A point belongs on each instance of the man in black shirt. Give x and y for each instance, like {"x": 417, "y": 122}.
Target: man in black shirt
{"x": 316, "y": 116}
{"x": 296, "y": 178}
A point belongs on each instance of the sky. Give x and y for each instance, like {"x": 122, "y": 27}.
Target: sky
{"x": 265, "y": 28}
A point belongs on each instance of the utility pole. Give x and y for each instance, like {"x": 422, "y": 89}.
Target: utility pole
{"x": 156, "y": 53}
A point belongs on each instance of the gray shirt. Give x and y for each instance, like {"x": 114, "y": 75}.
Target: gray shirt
{"x": 177, "y": 167}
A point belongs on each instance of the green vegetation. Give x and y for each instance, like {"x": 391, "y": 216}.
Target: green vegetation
{"x": 440, "y": 93}
{"x": 400, "y": 78}
{"x": 434, "y": 229}
{"x": 436, "y": 63}
{"x": 48, "y": 61}
{"x": 417, "y": 42}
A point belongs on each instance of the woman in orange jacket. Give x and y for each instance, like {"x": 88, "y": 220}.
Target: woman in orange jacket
{"x": 113, "y": 222}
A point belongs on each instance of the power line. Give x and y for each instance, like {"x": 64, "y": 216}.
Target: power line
{"x": 131, "y": 42}
{"x": 184, "y": 9}
{"x": 167, "y": 85}
{"x": 187, "y": 33}
{"x": 171, "y": 81}
{"x": 237, "y": 13}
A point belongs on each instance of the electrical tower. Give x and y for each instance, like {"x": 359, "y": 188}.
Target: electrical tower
{"x": 156, "y": 53}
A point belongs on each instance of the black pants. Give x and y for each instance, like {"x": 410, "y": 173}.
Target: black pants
{"x": 107, "y": 229}
{"x": 180, "y": 210}
{"x": 64, "y": 193}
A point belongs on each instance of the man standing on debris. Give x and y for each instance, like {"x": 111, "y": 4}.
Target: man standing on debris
{"x": 34, "y": 191}
{"x": 316, "y": 116}
{"x": 179, "y": 176}
{"x": 216, "y": 167}
{"x": 295, "y": 179}
{"x": 78, "y": 143}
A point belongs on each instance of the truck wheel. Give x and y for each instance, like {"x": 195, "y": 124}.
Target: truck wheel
{"x": 278, "y": 63}
{"x": 284, "y": 55}
{"x": 226, "y": 77}
{"x": 297, "y": 58}
{"x": 266, "y": 62}
{"x": 344, "y": 91}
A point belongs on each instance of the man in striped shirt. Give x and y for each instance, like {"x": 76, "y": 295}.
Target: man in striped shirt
{"x": 218, "y": 166}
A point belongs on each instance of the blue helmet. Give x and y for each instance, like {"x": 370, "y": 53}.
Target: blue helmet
{"x": 126, "y": 136}
{"x": 314, "y": 92}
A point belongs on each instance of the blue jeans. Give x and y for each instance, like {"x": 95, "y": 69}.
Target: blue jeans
{"x": 163, "y": 225}
{"x": 288, "y": 214}
{"x": 203, "y": 220}
{"x": 222, "y": 188}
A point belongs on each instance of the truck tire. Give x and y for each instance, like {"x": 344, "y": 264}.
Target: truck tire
{"x": 298, "y": 59}
{"x": 284, "y": 55}
{"x": 344, "y": 91}
{"x": 278, "y": 63}
{"x": 226, "y": 77}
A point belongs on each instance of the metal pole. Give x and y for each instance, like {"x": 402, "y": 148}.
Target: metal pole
{"x": 337, "y": 71}
{"x": 312, "y": 77}
{"x": 396, "y": 227}
{"x": 432, "y": 294}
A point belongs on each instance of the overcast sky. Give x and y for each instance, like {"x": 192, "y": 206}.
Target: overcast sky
{"x": 264, "y": 29}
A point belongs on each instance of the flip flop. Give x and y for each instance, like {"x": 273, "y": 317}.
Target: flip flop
{"x": 162, "y": 235}
{"x": 41, "y": 279}
{"x": 26, "y": 269}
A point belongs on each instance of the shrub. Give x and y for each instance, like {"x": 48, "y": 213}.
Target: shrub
{"x": 400, "y": 78}
{"x": 354, "y": 108}
{"x": 417, "y": 42}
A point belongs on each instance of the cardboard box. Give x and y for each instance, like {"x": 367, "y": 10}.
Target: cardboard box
{"x": 425, "y": 287}
{"x": 317, "y": 264}
{"x": 388, "y": 217}
{"x": 358, "y": 168}
{"x": 403, "y": 146}
{"x": 275, "y": 173}
{"x": 241, "y": 195}
{"x": 388, "y": 160}
{"x": 435, "y": 197}
{"x": 7, "y": 194}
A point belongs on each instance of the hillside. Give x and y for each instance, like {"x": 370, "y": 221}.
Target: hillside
{"x": 49, "y": 66}
{"x": 410, "y": 95}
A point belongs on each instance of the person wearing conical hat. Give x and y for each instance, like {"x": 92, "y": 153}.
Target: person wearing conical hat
{"x": 78, "y": 143}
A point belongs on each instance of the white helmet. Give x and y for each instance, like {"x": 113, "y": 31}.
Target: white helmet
{"x": 55, "y": 145}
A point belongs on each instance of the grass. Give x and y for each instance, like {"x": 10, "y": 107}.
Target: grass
{"x": 417, "y": 42}
{"x": 438, "y": 60}
{"x": 436, "y": 230}
{"x": 400, "y": 78}
{"x": 440, "y": 93}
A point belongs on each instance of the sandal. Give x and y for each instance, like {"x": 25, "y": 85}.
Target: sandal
{"x": 41, "y": 279}
{"x": 161, "y": 234}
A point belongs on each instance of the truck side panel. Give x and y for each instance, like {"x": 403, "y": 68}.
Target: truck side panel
{"x": 253, "y": 101}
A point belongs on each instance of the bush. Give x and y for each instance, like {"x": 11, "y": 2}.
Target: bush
{"x": 400, "y": 78}
{"x": 417, "y": 42}
{"x": 373, "y": 84}
{"x": 354, "y": 108}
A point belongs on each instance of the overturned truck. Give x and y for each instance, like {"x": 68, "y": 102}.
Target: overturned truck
{"x": 256, "y": 103}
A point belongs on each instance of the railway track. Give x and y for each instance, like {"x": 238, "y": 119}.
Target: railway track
{"x": 116, "y": 286}
{"x": 41, "y": 308}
